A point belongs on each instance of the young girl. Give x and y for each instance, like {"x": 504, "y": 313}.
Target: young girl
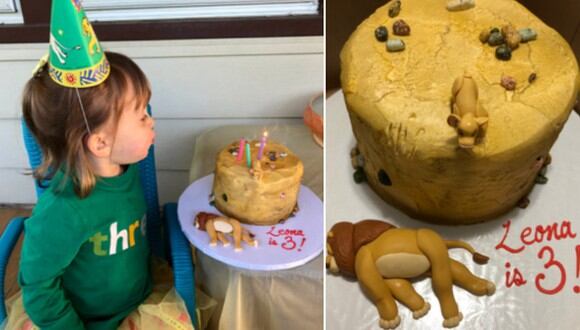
{"x": 85, "y": 257}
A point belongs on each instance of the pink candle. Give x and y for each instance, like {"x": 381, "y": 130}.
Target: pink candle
{"x": 262, "y": 144}
{"x": 241, "y": 150}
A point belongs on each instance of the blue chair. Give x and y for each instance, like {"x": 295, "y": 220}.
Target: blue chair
{"x": 158, "y": 227}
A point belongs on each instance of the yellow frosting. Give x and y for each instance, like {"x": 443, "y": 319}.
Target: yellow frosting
{"x": 399, "y": 102}
{"x": 262, "y": 196}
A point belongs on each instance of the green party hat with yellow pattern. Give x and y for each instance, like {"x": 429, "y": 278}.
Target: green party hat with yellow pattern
{"x": 76, "y": 58}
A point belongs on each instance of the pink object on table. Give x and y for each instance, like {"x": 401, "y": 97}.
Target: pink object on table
{"x": 313, "y": 118}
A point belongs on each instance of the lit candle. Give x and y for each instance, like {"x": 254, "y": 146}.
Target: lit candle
{"x": 248, "y": 155}
{"x": 262, "y": 144}
{"x": 241, "y": 150}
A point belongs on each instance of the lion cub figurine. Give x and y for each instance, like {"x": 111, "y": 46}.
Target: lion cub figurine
{"x": 469, "y": 118}
{"x": 218, "y": 226}
{"x": 384, "y": 259}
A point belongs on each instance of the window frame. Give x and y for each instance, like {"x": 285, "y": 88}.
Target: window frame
{"x": 127, "y": 10}
{"x": 37, "y": 19}
{"x": 10, "y": 12}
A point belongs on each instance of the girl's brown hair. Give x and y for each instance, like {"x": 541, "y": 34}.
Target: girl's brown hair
{"x": 53, "y": 115}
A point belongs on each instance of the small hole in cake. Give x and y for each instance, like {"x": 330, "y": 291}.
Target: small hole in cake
{"x": 272, "y": 155}
{"x": 225, "y": 197}
{"x": 384, "y": 178}
{"x": 359, "y": 175}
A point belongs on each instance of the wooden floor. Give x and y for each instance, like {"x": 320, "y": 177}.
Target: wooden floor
{"x": 10, "y": 283}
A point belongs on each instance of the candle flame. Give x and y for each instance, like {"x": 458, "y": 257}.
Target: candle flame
{"x": 265, "y": 133}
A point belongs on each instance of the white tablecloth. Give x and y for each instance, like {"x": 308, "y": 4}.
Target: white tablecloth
{"x": 252, "y": 300}
{"x": 515, "y": 307}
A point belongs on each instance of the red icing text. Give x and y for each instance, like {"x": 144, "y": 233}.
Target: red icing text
{"x": 516, "y": 279}
{"x": 285, "y": 232}
{"x": 290, "y": 239}
{"x": 551, "y": 263}
{"x": 539, "y": 234}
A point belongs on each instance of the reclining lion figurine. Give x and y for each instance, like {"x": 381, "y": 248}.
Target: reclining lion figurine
{"x": 218, "y": 226}
{"x": 384, "y": 258}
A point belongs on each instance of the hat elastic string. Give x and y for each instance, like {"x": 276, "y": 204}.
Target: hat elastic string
{"x": 83, "y": 111}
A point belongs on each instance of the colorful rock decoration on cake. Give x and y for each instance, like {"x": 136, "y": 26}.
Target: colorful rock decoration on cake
{"x": 220, "y": 228}
{"x": 257, "y": 182}
{"x": 513, "y": 85}
{"x": 508, "y": 39}
{"x": 384, "y": 259}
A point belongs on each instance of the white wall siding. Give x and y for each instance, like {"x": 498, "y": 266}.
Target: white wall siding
{"x": 197, "y": 85}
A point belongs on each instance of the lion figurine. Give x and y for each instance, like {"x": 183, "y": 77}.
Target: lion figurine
{"x": 89, "y": 32}
{"x": 468, "y": 117}
{"x": 218, "y": 226}
{"x": 385, "y": 258}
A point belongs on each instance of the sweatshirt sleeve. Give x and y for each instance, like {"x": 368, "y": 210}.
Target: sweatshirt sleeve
{"x": 52, "y": 238}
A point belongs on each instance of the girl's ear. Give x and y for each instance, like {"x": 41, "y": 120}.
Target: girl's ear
{"x": 99, "y": 144}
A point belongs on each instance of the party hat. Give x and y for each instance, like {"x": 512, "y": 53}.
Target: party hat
{"x": 76, "y": 57}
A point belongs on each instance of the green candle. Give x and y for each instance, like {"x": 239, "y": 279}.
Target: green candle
{"x": 248, "y": 155}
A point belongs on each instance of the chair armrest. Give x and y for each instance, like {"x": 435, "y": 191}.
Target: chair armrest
{"x": 7, "y": 242}
{"x": 180, "y": 259}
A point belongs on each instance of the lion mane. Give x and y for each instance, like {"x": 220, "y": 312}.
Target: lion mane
{"x": 202, "y": 218}
{"x": 347, "y": 238}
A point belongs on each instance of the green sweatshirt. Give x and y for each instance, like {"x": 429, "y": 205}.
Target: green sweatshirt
{"x": 85, "y": 262}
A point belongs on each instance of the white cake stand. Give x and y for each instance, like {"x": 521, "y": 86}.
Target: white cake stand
{"x": 285, "y": 245}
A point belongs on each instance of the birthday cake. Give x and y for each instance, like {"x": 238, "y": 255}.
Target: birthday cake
{"x": 455, "y": 105}
{"x": 257, "y": 184}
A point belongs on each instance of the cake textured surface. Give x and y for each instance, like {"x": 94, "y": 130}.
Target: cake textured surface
{"x": 263, "y": 193}
{"x": 399, "y": 102}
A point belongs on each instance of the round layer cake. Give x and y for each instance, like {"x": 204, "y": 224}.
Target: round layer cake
{"x": 399, "y": 104}
{"x": 263, "y": 193}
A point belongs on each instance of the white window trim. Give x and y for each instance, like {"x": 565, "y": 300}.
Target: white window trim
{"x": 10, "y": 12}
{"x": 126, "y": 10}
